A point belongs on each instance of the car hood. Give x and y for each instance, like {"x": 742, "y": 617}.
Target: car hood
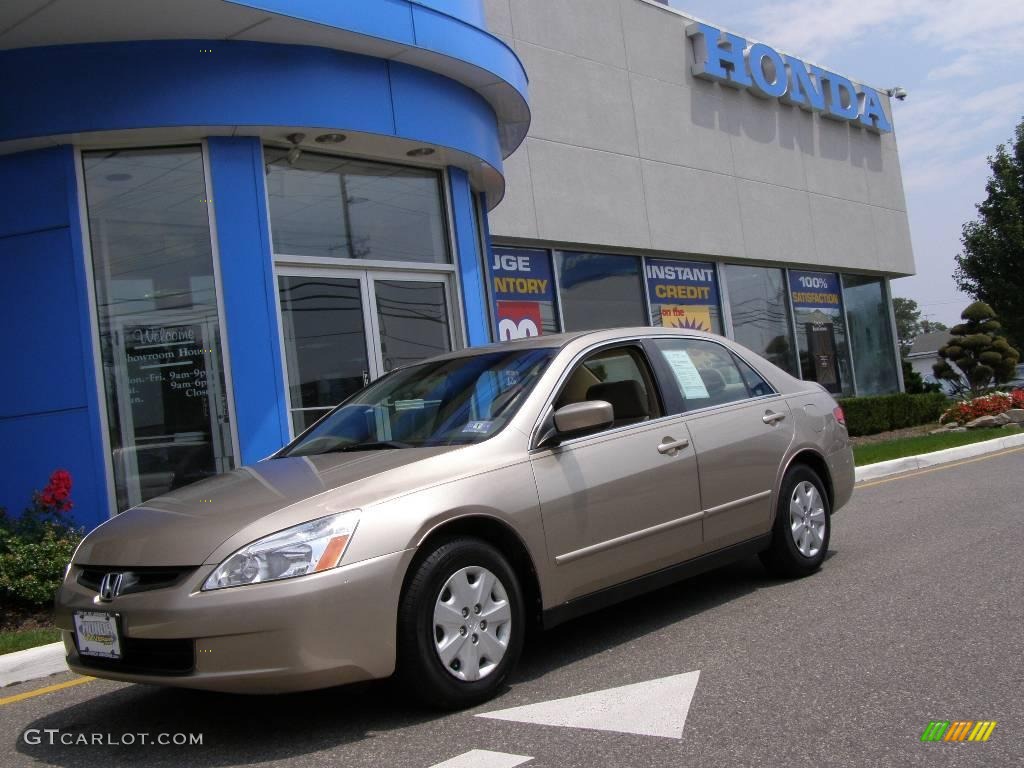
{"x": 184, "y": 527}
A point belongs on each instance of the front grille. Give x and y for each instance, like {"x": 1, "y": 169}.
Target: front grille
{"x": 148, "y": 657}
{"x": 135, "y": 579}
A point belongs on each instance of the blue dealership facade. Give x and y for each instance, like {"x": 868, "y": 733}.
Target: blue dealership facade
{"x": 222, "y": 217}
{"x": 105, "y": 350}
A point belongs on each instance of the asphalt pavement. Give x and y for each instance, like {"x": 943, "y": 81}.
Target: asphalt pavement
{"x": 916, "y": 616}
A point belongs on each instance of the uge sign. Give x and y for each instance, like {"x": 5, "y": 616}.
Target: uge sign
{"x": 725, "y": 58}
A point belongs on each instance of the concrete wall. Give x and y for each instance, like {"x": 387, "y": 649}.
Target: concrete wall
{"x": 629, "y": 150}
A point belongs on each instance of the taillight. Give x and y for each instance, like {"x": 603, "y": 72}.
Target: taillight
{"x": 840, "y": 416}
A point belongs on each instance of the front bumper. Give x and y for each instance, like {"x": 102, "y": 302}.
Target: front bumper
{"x": 309, "y": 632}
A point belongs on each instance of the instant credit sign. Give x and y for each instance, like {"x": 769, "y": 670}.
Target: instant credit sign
{"x": 521, "y": 284}
{"x": 815, "y": 290}
{"x": 682, "y": 293}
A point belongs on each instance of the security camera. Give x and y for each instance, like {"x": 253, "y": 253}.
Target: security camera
{"x": 898, "y": 93}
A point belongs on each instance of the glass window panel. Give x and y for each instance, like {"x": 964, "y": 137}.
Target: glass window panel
{"x": 760, "y": 313}
{"x": 158, "y": 320}
{"x": 324, "y": 343}
{"x": 600, "y": 291}
{"x": 683, "y": 294}
{"x": 522, "y": 291}
{"x": 821, "y": 330}
{"x": 413, "y": 317}
{"x": 329, "y": 206}
{"x": 871, "y": 342}
{"x": 706, "y": 373}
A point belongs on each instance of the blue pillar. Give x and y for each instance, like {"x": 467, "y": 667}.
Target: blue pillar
{"x": 247, "y": 286}
{"x": 470, "y": 260}
{"x": 49, "y": 400}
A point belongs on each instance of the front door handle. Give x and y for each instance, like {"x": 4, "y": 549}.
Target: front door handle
{"x": 770, "y": 417}
{"x": 670, "y": 447}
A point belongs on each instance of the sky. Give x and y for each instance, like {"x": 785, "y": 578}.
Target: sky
{"x": 962, "y": 64}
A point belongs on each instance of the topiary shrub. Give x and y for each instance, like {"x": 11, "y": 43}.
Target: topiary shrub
{"x": 976, "y": 356}
{"x": 883, "y": 413}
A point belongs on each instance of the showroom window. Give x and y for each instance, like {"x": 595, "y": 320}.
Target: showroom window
{"x": 337, "y": 207}
{"x": 521, "y": 286}
{"x": 760, "y": 313}
{"x": 600, "y": 290}
{"x": 821, "y": 329}
{"x": 158, "y": 319}
{"x": 683, "y": 294}
{"x": 871, "y": 339}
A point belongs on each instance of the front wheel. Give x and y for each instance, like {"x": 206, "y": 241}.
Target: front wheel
{"x": 803, "y": 524}
{"x": 460, "y": 624}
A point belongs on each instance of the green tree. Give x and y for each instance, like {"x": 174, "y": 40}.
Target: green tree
{"x": 991, "y": 267}
{"x": 908, "y": 322}
{"x": 976, "y": 355}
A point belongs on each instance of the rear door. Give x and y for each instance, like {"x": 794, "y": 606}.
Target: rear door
{"x": 741, "y": 431}
{"x": 623, "y": 501}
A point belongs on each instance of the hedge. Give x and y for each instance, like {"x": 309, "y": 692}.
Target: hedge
{"x": 871, "y": 415}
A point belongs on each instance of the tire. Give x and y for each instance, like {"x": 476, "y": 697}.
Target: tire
{"x": 799, "y": 539}
{"x": 444, "y": 585}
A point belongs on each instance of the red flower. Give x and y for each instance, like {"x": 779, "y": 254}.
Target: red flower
{"x": 57, "y": 492}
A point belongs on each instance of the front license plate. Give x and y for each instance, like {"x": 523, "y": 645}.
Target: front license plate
{"x": 97, "y": 635}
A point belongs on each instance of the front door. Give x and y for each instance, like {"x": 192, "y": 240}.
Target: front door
{"x": 624, "y": 501}
{"x": 343, "y": 328}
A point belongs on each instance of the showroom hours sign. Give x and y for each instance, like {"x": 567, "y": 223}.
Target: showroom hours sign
{"x": 167, "y": 373}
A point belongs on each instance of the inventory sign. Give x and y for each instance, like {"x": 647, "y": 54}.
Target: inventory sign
{"x": 683, "y": 294}
{"x": 522, "y": 289}
{"x": 815, "y": 290}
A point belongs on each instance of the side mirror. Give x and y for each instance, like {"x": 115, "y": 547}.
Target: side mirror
{"x": 583, "y": 417}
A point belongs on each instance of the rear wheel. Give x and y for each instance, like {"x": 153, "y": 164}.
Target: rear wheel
{"x": 460, "y": 624}
{"x": 803, "y": 525}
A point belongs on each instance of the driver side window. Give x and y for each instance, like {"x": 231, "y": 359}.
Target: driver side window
{"x": 619, "y": 376}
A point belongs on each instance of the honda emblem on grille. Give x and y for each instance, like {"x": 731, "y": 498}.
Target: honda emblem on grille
{"x": 110, "y": 586}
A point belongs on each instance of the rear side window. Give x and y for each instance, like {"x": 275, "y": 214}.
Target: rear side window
{"x": 708, "y": 374}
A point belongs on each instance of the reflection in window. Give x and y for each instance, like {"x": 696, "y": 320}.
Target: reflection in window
{"x": 329, "y": 206}
{"x": 158, "y": 321}
{"x": 871, "y": 341}
{"x": 324, "y": 344}
{"x": 600, "y": 291}
{"x": 760, "y": 314}
{"x": 413, "y": 318}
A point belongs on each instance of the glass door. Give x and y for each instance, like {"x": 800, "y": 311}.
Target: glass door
{"x": 344, "y": 328}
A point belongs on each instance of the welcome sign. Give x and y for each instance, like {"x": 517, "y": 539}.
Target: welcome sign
{"x": 724, "y": 58}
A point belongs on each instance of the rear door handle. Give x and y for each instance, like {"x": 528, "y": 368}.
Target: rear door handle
{"x": 670, "y": 447}
{"x": 770, "y": 417}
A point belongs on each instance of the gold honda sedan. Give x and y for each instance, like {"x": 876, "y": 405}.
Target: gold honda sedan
{"x": 423, "y": 524}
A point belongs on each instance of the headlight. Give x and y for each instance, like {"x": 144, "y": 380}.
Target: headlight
{"x": 307, "y": 548}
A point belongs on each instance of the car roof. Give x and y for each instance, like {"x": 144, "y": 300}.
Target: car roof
{"x": 560, "y": 340}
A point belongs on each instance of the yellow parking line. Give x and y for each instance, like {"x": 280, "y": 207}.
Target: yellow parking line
{"x": 950, "y": 465}
{"x": 46, "y": 689}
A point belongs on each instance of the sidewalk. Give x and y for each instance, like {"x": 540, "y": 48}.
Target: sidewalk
{"x": 31, "y": 664}
{"x": 924, "y": 460}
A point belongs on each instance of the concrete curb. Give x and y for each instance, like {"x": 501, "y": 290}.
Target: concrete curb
{"x": 32, "y": 663}
{"x": 910, "y": 463}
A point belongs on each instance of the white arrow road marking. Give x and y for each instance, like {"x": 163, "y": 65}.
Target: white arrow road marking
{"x": 481, "y": 758}
{"x": 654, "y": 708}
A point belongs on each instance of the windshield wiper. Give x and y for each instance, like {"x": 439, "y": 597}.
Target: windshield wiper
{"x": 384, "y": 445}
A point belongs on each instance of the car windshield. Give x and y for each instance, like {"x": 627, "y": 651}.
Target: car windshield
{"x": 457, "y": 401}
